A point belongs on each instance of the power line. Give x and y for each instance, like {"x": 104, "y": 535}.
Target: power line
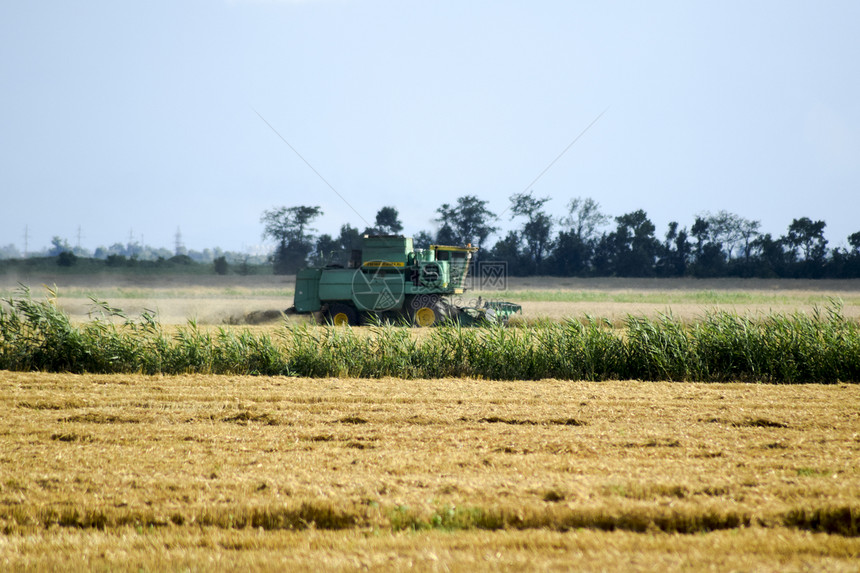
{"x": 312, "y": 168}
{"x": 559, "y": 156}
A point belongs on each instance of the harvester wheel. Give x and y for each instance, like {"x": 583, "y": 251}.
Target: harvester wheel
{"x": 425, "y": 310}
{"x": 342, "y": 315}
{"x": 425, "y": 316}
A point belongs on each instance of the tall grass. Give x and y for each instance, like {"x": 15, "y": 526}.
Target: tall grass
{"x": 796, "y": 348}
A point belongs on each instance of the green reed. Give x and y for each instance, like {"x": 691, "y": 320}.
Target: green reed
{"x": 797, "y": 348}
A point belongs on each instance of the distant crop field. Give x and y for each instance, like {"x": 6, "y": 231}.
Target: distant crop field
{"x": 201, "y": 472}
{"x": 258, "y": 299}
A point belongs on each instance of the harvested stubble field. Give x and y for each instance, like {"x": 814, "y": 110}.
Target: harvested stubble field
{"x": 205, "y": 472}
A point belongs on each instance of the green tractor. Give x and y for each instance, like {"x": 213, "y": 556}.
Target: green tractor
{"x": 388, "y": 279}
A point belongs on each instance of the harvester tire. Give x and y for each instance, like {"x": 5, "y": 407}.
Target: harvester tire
{"x": 341, "y": 315}
{"x": 426, "y": 310}
{"x": 425, "y": 316}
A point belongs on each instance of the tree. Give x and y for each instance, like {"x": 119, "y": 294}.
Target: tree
{"x": 537, "y": 227}
{"x": 67, "y": 259}
{"x": 731, "y": 232}
{"x": 10, "y": 251}
{"x": 507, "y": 250}
{"x": 349, "y": 238}
{"x": 574, "y": 246}
{"x": 854, "y": 241}
{"x": 58, "y": 246}
{"x": 603, "y": 258}
{"x": 467, "y": 222}
{"x": 808, "y": 236}
{"x": 422, "y": 240}
{"x": 571, "y": 255}
{"x": 701, "y": 233}
{"x": 851, "y": 259}
{"x": 584, "y": 218}
{"x": 676, "y": 252}
{"x": 748, "y": 232}
{"x": 446, "y": 234}
{"x": 337, "y": 250}
{"x": 387, "y": 222}
{"x": 326, "y": 248}
{"x": 769, "y": 255}
{"x": 635, "y": 247}
{"x": 720, "y": 239}
{"x": 221, "y": 266}
{"x": 289, "y": 227}
{"x": 710, "y": 261}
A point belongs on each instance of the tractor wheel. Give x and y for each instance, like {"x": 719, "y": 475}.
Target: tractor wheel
{"x": 426, "y": 310}
{"x": 341, "y": 315}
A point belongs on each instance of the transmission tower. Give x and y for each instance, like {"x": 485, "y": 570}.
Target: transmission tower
{"x": 179, "y": 247}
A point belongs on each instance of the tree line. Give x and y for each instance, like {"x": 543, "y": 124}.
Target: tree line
{"x": 585, "y": 242}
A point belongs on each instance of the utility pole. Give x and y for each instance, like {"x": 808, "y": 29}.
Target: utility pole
{"x": 26, "y": 239}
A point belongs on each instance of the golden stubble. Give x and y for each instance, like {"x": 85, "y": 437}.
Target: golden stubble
{"x": 185, "y": 458}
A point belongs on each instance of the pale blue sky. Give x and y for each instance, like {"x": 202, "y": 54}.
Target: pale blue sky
{"x": 122, "y": 116}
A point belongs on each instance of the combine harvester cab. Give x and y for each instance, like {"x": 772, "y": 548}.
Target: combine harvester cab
{"x": 390, "y": 279}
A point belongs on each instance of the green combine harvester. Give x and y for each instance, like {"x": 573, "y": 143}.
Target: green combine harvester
{"x": 388, "y": 279}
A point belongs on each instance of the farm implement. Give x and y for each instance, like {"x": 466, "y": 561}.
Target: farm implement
{"x": 388, "y": 279}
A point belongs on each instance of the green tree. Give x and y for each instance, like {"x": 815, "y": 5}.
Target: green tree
{"x": 676, "y": 252}
{"x": 507, "y": 250}
{"x": 536, "y": 228}
{"x": 221, "y": 266}
{"x": 733, "y": 233}
{"x": 446, "y": 234}
{"x": 327, "y": 249}
{"x": 290, "y": 228}
{"x": 701, "y": 233}
{"x": 635, "y": 247}
{"x": 852, "y": 257}
{"x": 58, "y": 245}
{"x": 770, "y": 256}
{"x": 584, "y": 218}
{"x": 573, "y": 248}
{"x": 807, "y": 235}
{"x": 571, "y": 256}
{"x": 388, "y": 221}
{"x": 422, "y": 240}
{"x": 467, "y": 222}
{"x": 67, "y": 259}
{"x": 854, "y": 241}
{"x": 349, "y": 238}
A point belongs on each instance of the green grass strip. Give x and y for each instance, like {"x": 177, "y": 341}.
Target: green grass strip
{"x": 821, "y": 347}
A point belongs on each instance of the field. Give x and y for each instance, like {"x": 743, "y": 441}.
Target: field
{"x": 252, "y": 300}
{"x": 161, "y": 473}
{"x": 127, "y": 471}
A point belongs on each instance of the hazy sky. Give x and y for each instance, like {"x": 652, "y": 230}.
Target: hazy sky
{"x": 124, "y": 117}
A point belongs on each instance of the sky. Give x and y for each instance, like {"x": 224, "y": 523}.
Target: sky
{"x": 131, "y": 120}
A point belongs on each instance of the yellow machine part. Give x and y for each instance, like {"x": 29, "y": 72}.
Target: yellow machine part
{"x": 425, "y": 316}
{"x": 340, "y": 319}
